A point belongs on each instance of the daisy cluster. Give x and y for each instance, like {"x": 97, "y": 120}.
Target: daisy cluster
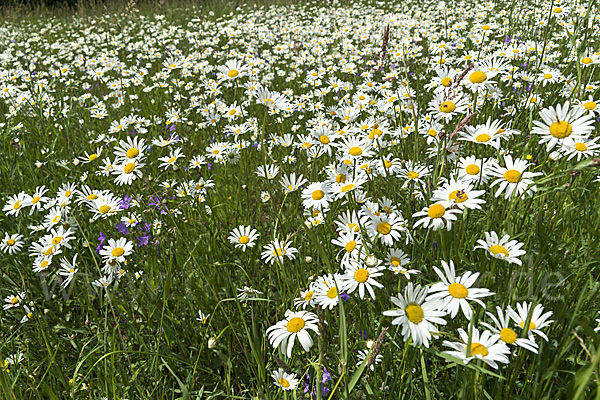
{"x": 365, "y": 135}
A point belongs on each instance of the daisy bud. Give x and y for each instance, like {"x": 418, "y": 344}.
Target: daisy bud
{"x": 308, "y": 259}
{"x": 370, "y": 343}
{"x": 371, "y": 260}
{"x": 212, "y": 343}
{"x": 308, "y": 224}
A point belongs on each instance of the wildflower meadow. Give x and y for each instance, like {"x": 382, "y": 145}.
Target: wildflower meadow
{"x": 300, "y": 200}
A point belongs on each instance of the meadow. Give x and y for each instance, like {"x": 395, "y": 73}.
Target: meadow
{"x": 301, "y": 200}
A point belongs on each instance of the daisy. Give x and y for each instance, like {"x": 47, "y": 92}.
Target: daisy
{"x": 589, "y": 105}
{"x": 291, "y": 183}
{"x": 68, "y": 270}
{"x": 129, "y": 150}
{"x": 267, "y": 171}
{"x": 471, "y": 169}
{"x": 202, "y": 318}
{"x": 13, "y": 301}
{"x": 504, "y": 249}
{"x": 560, "y": 123}
{"x": 284, "y": 380}
{"x": 116, "y": 250}
{"x": 580, "y": 149}
{"x": 351, "y": 244}
{"x": 350, "y": 220}
{"x": 352, "y": 148}
{"x": 364, "y": 357}
{"x": 37, "y": 200}
{"x": 306, "y": 298}
{"x": 327, "y": 289}
{"x": 11, "y": 243}
{"x": 15, "y": 203}
{"x": 389, "y": 228}
{"x": 460, "y": 194}
{"x": 340, "y": 190}
{"x": 357, "y": 276}
{"x": 295, "y": 326}
{"x": 414, "y": 172}
{"x": 436, "y": 216}
{"x": 538, "y": 319}
{"x": 104, "y": 206}
{"x": 457, "y": 291}
{"x": 233, "y": 69}
{"x": 446, "y": 108}
{"x": 246, "y": 292}
{"x": 243, "y": 237}
{"x": 485, "y": 346}
{"x": 104, "y": 281}
{"x": 507, "y": 334}
{"x": 316, "y": 195}
{"x": 127, "y": 172}
{"x": 489, "y": 134}
{"x": 479, "y": 81}
{"x": 278, "y": 251}
{"x": 170, "y": 160}
{"x": 417, "y": 314}
{"x": 514, "y": 178}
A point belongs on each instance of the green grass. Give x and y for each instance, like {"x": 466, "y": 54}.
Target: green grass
{"x": 139, "y": 337}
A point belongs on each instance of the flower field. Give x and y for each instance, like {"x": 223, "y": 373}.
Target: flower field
{"x": 301, "y": 200}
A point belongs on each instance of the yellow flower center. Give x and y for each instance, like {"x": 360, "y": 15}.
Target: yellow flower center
{"x": 458, "y": 290}
{"x": 57, "y": 240}
{"x": 512, "y": 175}
{"x": 472, "y": 169}
{"x": 486, "y": 27}
{"x": 587, "y": 60}
{"x": 478, "y": 77}
{"x": 354, "y": 227}
{"x": 414, "y": 313}
{"x": 279, "y": 252}
{"x": 283, "y": 382}
{"x": 497, "y": 249}
{"x": 295, "y": 324}
{"x": 10, "y": 242}
{"x": 375, "y": 132}
{"x": 92, "y": 197}
{"x": 324, "y": 139}
{"x": 350, "y": 246}
{"x": 92, "y": 157}
{"x": 308, "y": 295}
{"x": 332, "y": 293}
{"x": 56, "y": 219}
{"x": 14, "y": 300}
{"x": 129, "y": 168}
{"x": 50, "y": 251}
{"x": 17, "y": 205}
{"x": 171, "y": 160}
{"x": 232, "y": 111}
{"x": 412, "y": 175}
{"x": 68, "y": 193}
{"x": 446, "y": 82}
{"x": 531, "y": 325}
{"x": 361, "y": 275}
{"x": 557, "y": 10}
{"x": 44, "y": 264}
{"x": 580, "y": 147}
{"x": 355, "y": 151}
{"x": 484, "y": 137}
{"x": 436, "y": 211}
{"x": 118, "y": 252}
{"x": 590, "y": 105}
{"x": 507, "y": 335}
{"x": 35, "y": 199}
{"x": 318, "y": 195}
{"x": 432, "y": 132}
{"x": 104, "y": 209}
{"x": 132, "y": 153}
{"x": 447, "y": 107}
{"x": 395, "y": 261}
{"x": 347, "y": 188}
{"x": 547, "y": 76}
{"x": 459, "y": 196}
{"x": 561, "y": 129}
{"x": 244, "y": 239}
{"x": 340, "y": 178}
{"x": 478, "y": 348}
{"x": 384, "y": 228}
{"x": 233, "y": 73}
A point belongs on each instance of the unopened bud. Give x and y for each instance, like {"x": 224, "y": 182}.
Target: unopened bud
{"x": 308, "y": 259}
{"x": 371, "y": 260}
{"x": 212, "y": 343}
